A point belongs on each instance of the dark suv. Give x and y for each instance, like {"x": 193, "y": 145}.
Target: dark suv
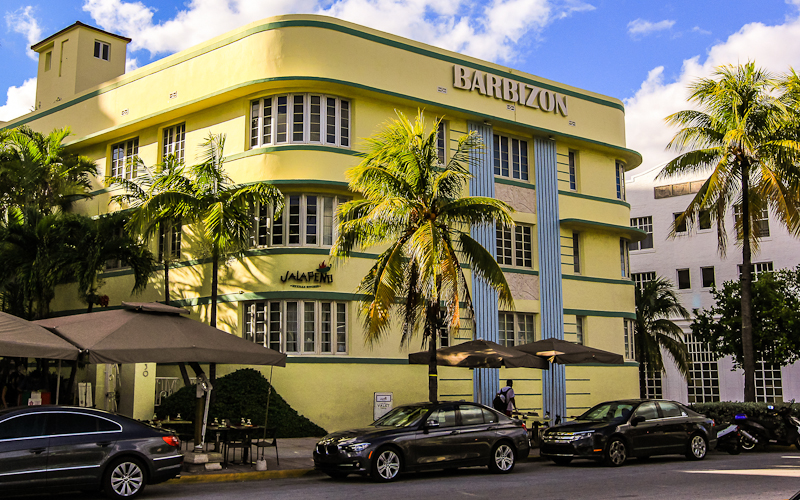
{"x": 425, "y": 436}
{"x": 65, "y": 448}
{"x": 616, "y": 430}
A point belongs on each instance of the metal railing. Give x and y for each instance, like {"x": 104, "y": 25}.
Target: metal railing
{"x": 167, "y": 386}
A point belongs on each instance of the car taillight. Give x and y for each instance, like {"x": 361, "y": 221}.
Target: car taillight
{"x": 172, "y": 441}
{"x": 524, "y": 427}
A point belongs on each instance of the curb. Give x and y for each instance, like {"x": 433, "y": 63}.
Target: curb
{"x": 239, "y": 476}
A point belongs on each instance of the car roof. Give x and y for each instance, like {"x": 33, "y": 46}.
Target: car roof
{"x": 18, "y": 410}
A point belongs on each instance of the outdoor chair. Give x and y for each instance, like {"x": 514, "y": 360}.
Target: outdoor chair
{"x": 270, "y": 440}
{"x": 235, "y": 441}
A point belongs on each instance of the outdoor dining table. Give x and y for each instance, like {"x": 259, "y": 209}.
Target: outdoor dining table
{"x": 226, "y": 433}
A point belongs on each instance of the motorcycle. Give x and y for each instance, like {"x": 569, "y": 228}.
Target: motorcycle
{"x": 782, "y": 429}
{"x": 729, "y": 439}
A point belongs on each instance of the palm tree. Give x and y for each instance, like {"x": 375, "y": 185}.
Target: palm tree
{"x": 656, "y": 303}
{"x": 746, "y": 137}
{"x": 36, "y": 170}
{"x": 414, "y": 204}
{"x": 136, "y": 193}
{"x": 209, "y": 197}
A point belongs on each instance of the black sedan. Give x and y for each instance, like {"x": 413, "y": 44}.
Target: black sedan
{"x": 616, "y": 430}
{"x": 64, "y": 448}
{"x": 425, "y": 436}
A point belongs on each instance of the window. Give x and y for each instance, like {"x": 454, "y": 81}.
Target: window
{"x": 445, "y": 416}
{"x": 580, "y": 322}
{"x": 647, "y": 410}
{"x": 441, "y": 142}
{"x": 169, "y": 241}
{"x": 576, "y": 252}
{"x": 705, "y": 220}
{"x": 510, "y": 157}
{"x": 769, "y": 388}
{"x": 620, "y": 169}
{"x": 521, "y": 253}
{"x": 679, "y": 228}
{"x": 470, "y": 415}
{"x": 114, "y": 264}
{"x": 515, "y": 329}
{"x": 707, "y": 275}
{"x": 628, "y": 332}
{"x": 646, "y": 225}
{"x": 444, "y": 330}
{"x": 78, "y": 423}
{"x": 573, "y": 172}
{"x": 703, "y": 371}
{"x": 24, "y": 426}
{"x": 624, "y": 260}
{"x": 760, "y": 222}
{"x": 641, "y": 278}
{"x": 124, "y": 159}
{"x": 758, "y": 268}
{"x": 174, "y": 141}
{"x": 101, "y": 50}
{"x": 300, "y": 118}
{"x": 650, "y": 387}
{"x": 684, "y": 279}
{"x": 306, "y": 220}
{"x": 669, "y": 410}
{"x": 48, "y": 60}
{"x": 298, "y": 326}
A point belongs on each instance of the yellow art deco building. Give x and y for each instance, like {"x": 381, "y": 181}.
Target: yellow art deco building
{"x": 295, "y": 96}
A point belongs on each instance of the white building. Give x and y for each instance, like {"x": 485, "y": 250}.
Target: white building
{"x": 692, "y": 262}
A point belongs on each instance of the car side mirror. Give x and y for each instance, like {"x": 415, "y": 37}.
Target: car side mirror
{"x": 432, "y": 424}
{"x": 638, "y": 419}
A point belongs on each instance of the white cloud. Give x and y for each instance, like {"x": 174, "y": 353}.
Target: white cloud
{"x": 774, "y": 48}
{"x": 22, "y": 21}
{"x": 131, "y": 64}
{"x": 640, "y": 27}
{"x": 490, "y": 31}
{"x": 19, "y": 100}
{"x": 698, "y": 29}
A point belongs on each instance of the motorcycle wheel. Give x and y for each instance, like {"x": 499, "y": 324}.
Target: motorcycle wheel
{"x": 746, "y": 444}
{"x": 735, "y": 449}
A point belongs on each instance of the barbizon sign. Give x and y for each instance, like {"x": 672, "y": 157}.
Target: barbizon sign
{"x": 509, "y": 90}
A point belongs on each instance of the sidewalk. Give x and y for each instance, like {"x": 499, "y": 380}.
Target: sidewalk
{"x": 296, "y": 460}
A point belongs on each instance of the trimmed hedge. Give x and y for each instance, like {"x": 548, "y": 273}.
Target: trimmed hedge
{"x": 243, "y": 394}
{"x": 725, "y": 411}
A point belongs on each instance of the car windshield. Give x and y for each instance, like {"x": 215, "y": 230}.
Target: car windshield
{"x": 606, "y": 412}
{"x": 401, "y": 417}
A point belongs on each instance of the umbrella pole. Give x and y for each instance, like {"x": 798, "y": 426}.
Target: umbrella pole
{"x": 205, "y": 416}
{"x": 58, "y": 381}
{"x": 269, "y": 393}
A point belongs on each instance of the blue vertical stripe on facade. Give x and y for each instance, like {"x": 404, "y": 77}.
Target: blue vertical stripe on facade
{"x": 485, "y": 381}
{"x": 554, "y": 400}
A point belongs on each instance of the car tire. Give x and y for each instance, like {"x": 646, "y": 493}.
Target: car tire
{"x": 335, "y": 474}
{"x": 562, "y": 460}
{"x": 698, "y": 447}
{"x": 125, "y": 477}
{"x": 503, "y": 458}
{"x": 616, "y": 452}
{"x": 797, "y": 442}
{"x": 387, "y": 465}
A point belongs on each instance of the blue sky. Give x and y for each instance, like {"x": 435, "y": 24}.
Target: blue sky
{"x": 641, "y": 51}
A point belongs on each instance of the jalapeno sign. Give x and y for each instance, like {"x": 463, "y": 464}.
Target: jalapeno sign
{"x": 319, "y": 275}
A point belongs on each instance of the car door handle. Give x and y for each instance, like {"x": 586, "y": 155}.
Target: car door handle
{"x": 37, "y": 451}
{"x": 104, "y": 444}
{"x": 453, "y": 433}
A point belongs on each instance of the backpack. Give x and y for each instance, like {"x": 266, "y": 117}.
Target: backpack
{"x": 499, "y": 403}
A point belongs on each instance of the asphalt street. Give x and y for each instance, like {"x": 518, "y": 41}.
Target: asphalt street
{"x": 768, "y": 475}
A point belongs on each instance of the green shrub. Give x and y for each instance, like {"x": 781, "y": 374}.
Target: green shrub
{"x": 243, "y": 394}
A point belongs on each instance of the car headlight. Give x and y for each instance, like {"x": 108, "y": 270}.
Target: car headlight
{"x": 356, "y": 447}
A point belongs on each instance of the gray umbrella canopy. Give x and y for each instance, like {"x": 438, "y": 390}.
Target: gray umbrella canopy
{"x": 25, "y": 339}
{"x": 156, "y": 333}
{"x": 479, "y": 354}
{"x": 568, "y": 353}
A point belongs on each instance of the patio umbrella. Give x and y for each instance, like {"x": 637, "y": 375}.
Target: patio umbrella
{"x": 480, "y": 354}
{"x": 157, "y": 333}
{"x": 25, "y": 339}
{"x": 568, "y": 353}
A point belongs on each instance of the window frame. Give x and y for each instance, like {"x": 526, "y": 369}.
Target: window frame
{"x": 644, "y": 223}
{"x": 678, "y": 278}
{"x": 174, "y": 146}
{"x": 619, "y": 168}
{"x": 624, "y": 258}
{"x": 341, "y": 121}
{"x": 497, "y": 159}
{"x": 629, "y": 339}
{"x": 520, "y": 241}
{"x": 576, "y": 253}
{"x": 639, "y": 279}
{"x": 172, "y": 245}
{"x": 519, "y": 323}
{"x": 126, "y": 166}
{"x": 102, "y": 50}
{"x": 267, "y": 222}
{"x": 572, "y": 160}
{"x": 442, "y": 135}
{"x": 678, "y": 229}
{"x": 703, "y": 280}
{"x": 336, "y": 307}
{"x": 580, "y": 329}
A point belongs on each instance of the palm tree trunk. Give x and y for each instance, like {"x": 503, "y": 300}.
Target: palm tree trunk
{"x": 166, "y": 281}
{"x": 214, "y": 281}
{"x": 432, "y": 326}
{"x": 747, "y": 298}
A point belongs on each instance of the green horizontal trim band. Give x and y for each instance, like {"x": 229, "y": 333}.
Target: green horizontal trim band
{"x": 512, "y": 182}
{"x": 301, "y": 293}
{"x": 627, "y": 231}
{"x": 602, "y": 314}
{"x": 293, "y": 147}
{"x": 595, "y": 198}
{"x": 346, "y": 360}
{"x": 514, "y": 270}
{"x": 611, "y": 281}
{"x": 604, "y": 365}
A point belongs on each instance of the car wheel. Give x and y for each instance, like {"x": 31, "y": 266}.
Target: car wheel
{"x": 386, "y": 465}
{"x": 616, "y": 452}
{"x": 698, "y": 447}
{"x": 562, "y": 460}
{"x": 503, "y": 458}
{"x": 336, "y": 475}
{"x": 124, "y": 478}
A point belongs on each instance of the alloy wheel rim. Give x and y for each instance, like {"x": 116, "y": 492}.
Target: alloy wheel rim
{"x": 698, "y": 447}
{"x": 504, "y": 457}
{"x": 388, "y": 464}
{"x": 127, "y": 479}
{"x": 617, "y": 452}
